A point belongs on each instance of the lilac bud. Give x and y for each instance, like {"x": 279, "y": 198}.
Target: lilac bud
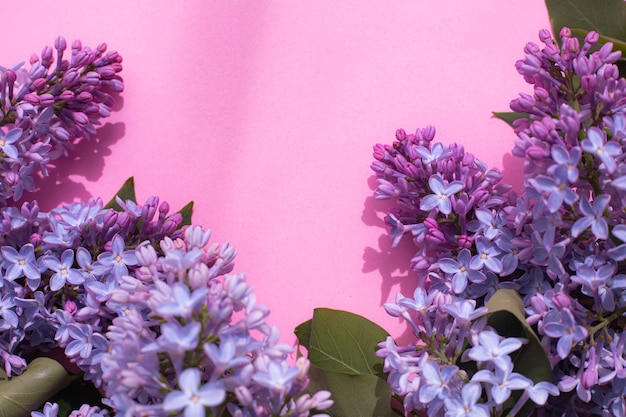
{"x": 565, "y": 32}
{"x": 84, "y": 97}
{"x": 46, "y": 57}
{"x": 60, "y": 44}
{"x": 67, "y": 95}
{"x": 106, "y": 72}
{"x": 468, "y": 160}
{"x": 545, "y": 36}
{"x": 538, "y": 304}
{"x": 77, "y": 45}
{"x": 536, "y": 152}
{"x": 146, "y": 255}
{"x": 428, "y": 133}
{"x": 420, "y": 263}
{"x": 561, "y": 301}
{"x": 36, "y": 240}
{"x": 164, "y": 208}
{"x": 531, "y": 48}
{"x": 198, "y": 276}
{"x": 33, "y": 59}
{"x": 32, "y": 98}
{"x": 80, "y": 118}
{"x": 39, "y": 83}
{"x": 589, "y": 83}
{"x": 303, "y": 365}
{"x": 431, "y": 223}
{"x": 244, "y": 396}
{"x": 572, "y": 45}
{"x": 70, "y": 306}
{"x": 12, "y": 178}
{"x": 91, "y": 78}
{"x": 172, "y": 222}
{"x": 46, "y": 100}
{"x": 436, "y": 237}
{"x": 465, "y": 241}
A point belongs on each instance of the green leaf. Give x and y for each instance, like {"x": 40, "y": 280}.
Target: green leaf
{"x": 607, "y": 17}
{"x": 42, "y": 379}
{"x": 344, "y": 342}
{"x": 186, "y": 211}
{"x": 127, "y": 192}
{"x": 510, "y": 116}
{"x": 303, "y": 333}
{"x": 508, "y": 318}
{"x": 353, "y": 395}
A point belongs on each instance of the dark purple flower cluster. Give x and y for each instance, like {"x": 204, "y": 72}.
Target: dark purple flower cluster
{"x": 146, "y": 309}
{"x": 46, "y": 109}
{"x": 561, "y": 245}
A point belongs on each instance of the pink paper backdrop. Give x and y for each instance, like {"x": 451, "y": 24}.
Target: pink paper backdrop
{"x": 265, "y": 114}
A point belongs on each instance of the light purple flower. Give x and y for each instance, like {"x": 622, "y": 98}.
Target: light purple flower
{"x": 567, "y": 159}
{"x": 436, "y": 381}
{"x": 193, "y": 398}
{"x": 20, "y": 264}
{"x": 502, "y": 381}
{"x": 278, "y": 377}
{"x": 494, "y": 348}
{"x": 461, "y": 271}
{"x": 606, "y": 151}
{"x": 487, "y": 256}
{"x": 561, "y": 325}
{"x": 436, "y": 153}
{"x": 118, "y": 258}
{"x": 63, "y": 270}
{"x": 593, "y": 216}
{"x": 466, "y": 405}
{"x": 442, "y": 193}
{"x": 556, "y": 187}
{"x": 8, "y": 140}
{"x": 183, "y": 302}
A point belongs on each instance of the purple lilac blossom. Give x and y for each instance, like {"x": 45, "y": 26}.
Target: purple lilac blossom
{"x": 561, "y": 243}
{"x": 129, "y": 297}
{"x": 45, "y": 110}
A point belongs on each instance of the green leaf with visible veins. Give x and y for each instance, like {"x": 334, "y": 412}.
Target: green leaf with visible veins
{"x": 607, "y": 17}
{"x": 345, "y": 342}
{"x": 42, "y": 379}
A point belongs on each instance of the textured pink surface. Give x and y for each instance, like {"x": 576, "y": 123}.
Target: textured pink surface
{"x": 265, "y": 114}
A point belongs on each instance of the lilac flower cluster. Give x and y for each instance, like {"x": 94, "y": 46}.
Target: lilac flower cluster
{"x": 47, "y": 109}
{"x": 146, "y": 309}
{"x": 561, "y": 245}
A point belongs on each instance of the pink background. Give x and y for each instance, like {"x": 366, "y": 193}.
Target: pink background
{"x": 265, "y": 114}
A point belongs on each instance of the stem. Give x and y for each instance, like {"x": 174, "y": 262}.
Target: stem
{"x": 606, "y": 321}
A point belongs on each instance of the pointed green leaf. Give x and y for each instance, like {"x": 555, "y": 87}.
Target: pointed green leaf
{"x": 508, "y": 318}
{"x": 127, "y": 192}
{"x": 607, "y": 17}
{"x": 510, "y": 116}
{"x": 303, "y": 333}
{"x": 42, "y": 379}
{"x": 186, "y": 211}
{"x": 353, "y": 395}
{"x": 345, "y": 342}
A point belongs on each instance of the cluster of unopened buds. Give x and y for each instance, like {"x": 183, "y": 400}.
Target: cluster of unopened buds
{"x": 560, "y": 244}
{"x": 46, "y": 109}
